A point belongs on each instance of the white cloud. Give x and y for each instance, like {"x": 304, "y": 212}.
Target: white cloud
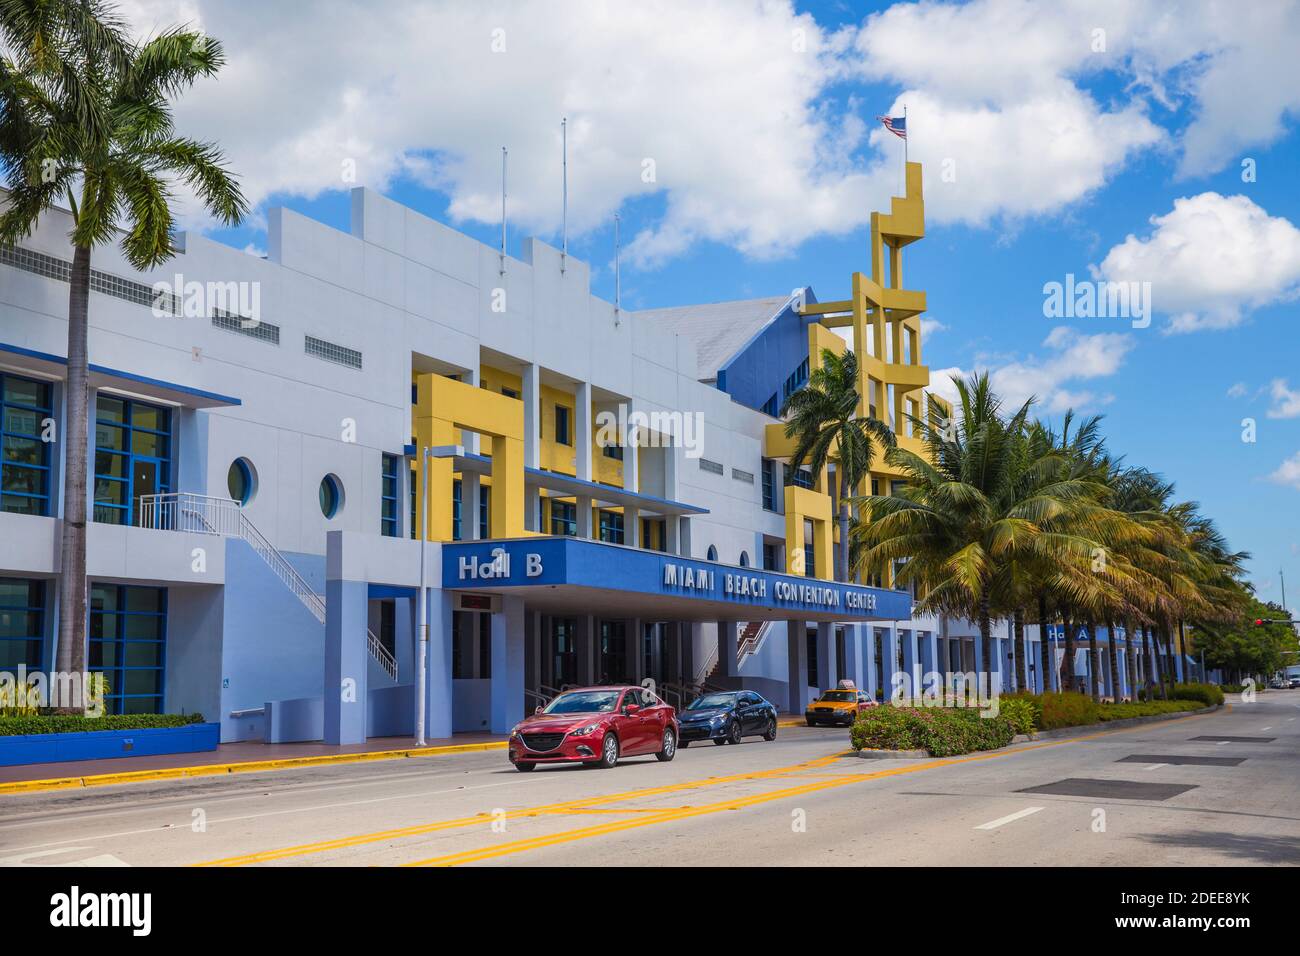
{"x": 1210, "y": 260}
{"x": 1286, "y": 401}
{"x": 1288, "y": 473}
{"x": 1058, "y": 379}
{"x": 930, "y": 327}
{"x": 748, "y": 149}
{"x": 1237, "y": 390}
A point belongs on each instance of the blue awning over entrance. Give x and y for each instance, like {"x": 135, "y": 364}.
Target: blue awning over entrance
{"x": 562, "y": 572}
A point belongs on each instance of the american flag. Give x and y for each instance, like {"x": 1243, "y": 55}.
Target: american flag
{"x": 895, "y": 124}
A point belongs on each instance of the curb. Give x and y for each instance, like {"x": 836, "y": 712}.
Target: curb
{"x": 1064, "y": 732}
{"x": 247, "y": 766}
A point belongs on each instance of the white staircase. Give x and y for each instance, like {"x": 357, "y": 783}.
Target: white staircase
{"x": 203, "y": 514}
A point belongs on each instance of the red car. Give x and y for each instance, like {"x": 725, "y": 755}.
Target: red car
{"x": 595, "y": 726}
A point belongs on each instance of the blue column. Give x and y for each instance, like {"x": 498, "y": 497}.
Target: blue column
{"x": 979, "y": 654}
{"x": 888, "y": 659}
{"x": 507, "y": 691}
{"x": 867, "y": 636}
{"x": 438, "y": 688}
{"x": 826, "y": 676}
{"x": 911, "y": 663}
{"x": 854, "y": 670}
{"x": 346, "y": 660}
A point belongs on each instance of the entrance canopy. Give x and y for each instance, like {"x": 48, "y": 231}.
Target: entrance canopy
{"x": 574, "y": 575}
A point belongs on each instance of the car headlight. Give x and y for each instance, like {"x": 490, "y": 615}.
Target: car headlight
{"x": 584, "y": 731}
{"x": 718, "y": 718}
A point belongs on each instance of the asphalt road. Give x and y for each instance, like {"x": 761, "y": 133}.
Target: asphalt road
{"x": 1148, "y": 796}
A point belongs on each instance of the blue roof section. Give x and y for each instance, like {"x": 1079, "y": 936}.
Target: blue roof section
{"x": 214, "y": 398}
{"x": 760, "y": 367}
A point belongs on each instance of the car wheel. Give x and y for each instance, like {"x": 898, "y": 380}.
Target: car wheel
{"x": 525, "y": 766}
{"x": 683, "y": 744}
{"x": 608, "y": 752}
{"x": 719, "y": 741}
{"x": 733, "y": 732}
{"x": 770, "y": 733}
{"x": 669, "y": 749}
{"x": 810, "y": 722}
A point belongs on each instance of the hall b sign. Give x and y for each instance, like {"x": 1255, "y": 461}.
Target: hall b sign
{"x": 497, "y": 567}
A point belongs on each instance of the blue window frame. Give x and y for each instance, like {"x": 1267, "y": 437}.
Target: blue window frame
{"x": 611, "y": 527}
{"x": 24, "y": 458}
{"x": 769, "y": 489}
{"x": 414, "y": 482}
{"x": 133, "y": 456}
{"x": 331, "y": 496}
{"x": 769, "y": 557}
{"x": 388, "y": 524}
{"x": 564, "y": 518}
{"x": 457, "y": 505}
{"x": 22, "y": 624}
{"x": 771, "y": 407}
{"x": 613, "y": 451}
{"x": 128, "y": 643}
{"x": 800, "y": 478}
{"x": 484, "y": 509}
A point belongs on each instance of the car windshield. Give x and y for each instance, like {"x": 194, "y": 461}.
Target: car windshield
{"x": 584, "y": 702}
{"x": 838, "y": 695}
{"x": 712, "y": 700}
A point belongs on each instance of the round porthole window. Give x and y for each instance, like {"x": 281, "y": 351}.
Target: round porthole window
{"x": 241, "y": 480}
{"x": 331, "y": 496}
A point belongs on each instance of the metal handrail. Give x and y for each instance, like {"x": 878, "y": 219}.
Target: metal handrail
{"x": 206, "y": 514}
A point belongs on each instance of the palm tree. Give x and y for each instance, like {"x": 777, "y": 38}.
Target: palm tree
{"x": 822, "y": 418}
{"x": 979, "y": 500}
{"x": 91, "y": 125}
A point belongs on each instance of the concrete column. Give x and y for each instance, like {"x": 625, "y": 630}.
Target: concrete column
{"x": 888, "y": 659}
{"x": 532, "y": 399}
{"x": 826, "y": 670}
{"x": 631, "y": 462}
{"x": 636, "y": 648}
{"x": 582, "y": 432}
{"x": 931, "y": 654}
{"x": 470, "y": 440}
{"x": 686, "y": 651}
{"x": 439, "y": 688}
{"x": 507, "y": 688}
{"x": 470, "y": 491}
{"x": 911, "y": 663}
{"x": 584, "y": 518}
{"x": 533, "y": 657}
{"x": 853, "y": 656}
{"x": 584, "y": 644}
{"x": 728, "y": 634}
{"x": 797, "y": 658}
{"x": 346, "y": 656}
{"x": 871, "y": 679}
{"x": 631, "y": 526}
{"x": 672, "y": 535}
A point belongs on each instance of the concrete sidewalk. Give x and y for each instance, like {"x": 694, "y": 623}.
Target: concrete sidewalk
{"x": 230, "y": 758}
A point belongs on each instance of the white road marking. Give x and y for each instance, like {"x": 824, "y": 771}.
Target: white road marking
{"x": 1289, "y": 719}
{"x": 103, "y": 859}
{"x": 1223, "y": 743}
{"x": 1010, "y": 818}
{"x": 1269, "y": 727}
{"x": 1156, "y": 766}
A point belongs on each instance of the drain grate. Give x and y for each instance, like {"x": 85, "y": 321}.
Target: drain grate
{"x": 1111, "y": 789}
{"x": 1190, "y": 761}
{"x": 1237, "y": 740}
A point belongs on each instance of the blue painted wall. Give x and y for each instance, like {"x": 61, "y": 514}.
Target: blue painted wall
{"x": 762, "y": 365}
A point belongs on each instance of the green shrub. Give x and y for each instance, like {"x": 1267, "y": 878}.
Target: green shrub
{"x": 941, "y": 732}
{"x": 1147, "y": 709}
{"x": 1237, "y": 688}
{"x": 1066, "y": 709}
{"x": 1207, "y": 694}
{"x": 1021, "y": 710}
{"x": 71, "y": 723}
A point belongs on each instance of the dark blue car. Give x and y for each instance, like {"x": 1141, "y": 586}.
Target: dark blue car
{"x": 725, "y": 717}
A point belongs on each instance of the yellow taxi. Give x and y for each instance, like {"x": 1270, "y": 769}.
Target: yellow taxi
{"x": 839, "y": 706}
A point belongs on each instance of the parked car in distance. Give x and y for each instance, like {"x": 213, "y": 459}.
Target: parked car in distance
{"x": 726, "y": 717}
{"x": 839, "y": 706}
{"x": 595, "y": 726}
{"x": 1295, "y": 682}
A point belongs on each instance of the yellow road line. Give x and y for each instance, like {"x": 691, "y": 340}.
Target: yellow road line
{"x": 246, "y": 766}
{"x": 668, "y": 816}
{"x": 423, "y": 828}
{"x": 779, "y": 772}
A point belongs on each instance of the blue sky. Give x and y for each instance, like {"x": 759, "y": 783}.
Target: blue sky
{"x": 1148, "y": 122}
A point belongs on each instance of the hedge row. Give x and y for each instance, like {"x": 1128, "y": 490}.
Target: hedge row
{"x": 1147, "y": 708}
{"x": 941, "y": 731}
{"x": 72, "y": 724}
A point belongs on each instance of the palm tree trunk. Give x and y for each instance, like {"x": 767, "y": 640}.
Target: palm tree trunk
{"x": 1017, "y": 646}
{"x": 1094, "y": 659}
{"x": 1112, "y": 654}
{"x": 842, "y": 572}
{"x": 1130, "y": 660}
{"x": 986, "y": 637}
{"x": 71, "y": 656}
{"x": 1067, "y": 665}
{"x": 1171, "y": 675}
{"x": 1044, "y": 647}
{"x": 1150, "y": 662}
{"x": 1162, "y": 665}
